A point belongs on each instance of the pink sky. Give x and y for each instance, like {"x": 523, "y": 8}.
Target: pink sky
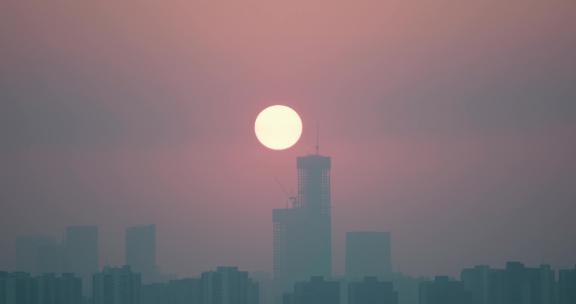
{"x": 450, "y": 123}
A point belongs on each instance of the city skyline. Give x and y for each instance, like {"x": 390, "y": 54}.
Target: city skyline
{"x": 302, "y": 268}
{"x": 450, "y": 124}
{"x": 44, "y": 253}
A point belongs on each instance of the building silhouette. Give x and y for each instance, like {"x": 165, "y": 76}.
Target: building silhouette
{"x": 444, "y": 290}
{"x": 479, "y": 281}
{"x": 522, "y": 285}
{"x": 156, "y": 293}
{"x": 228, "y": 285}
{"x": 371, "y": 291}
{"x": 265, "y": 286}
{"x": 567, "y": 286}
{"x": 408, "y": 288}
{"x": 368, "y": 254}
{"x": 81, "y": 245}
{"x": 116, "y": 286}
{"x": 15, "y": 288}
{"x": 516, "y": 284}
{"x": 303, "y": 232}
{"x": 81, "y": 253}
{"x": 22, "y": 288}
{"x": 183, "y": 291}
{"x": 141, "y": 251}
{"x": 53, "y": 289}
{"x": 39, "y": 254}
{"x": 315, "y": 291}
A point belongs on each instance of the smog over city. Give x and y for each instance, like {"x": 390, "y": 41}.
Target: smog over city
{"x": 287, "y": 152}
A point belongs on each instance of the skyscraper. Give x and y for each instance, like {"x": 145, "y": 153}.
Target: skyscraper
{"x": 314, "y": 195}
{"x": 303, "y": 232}
{"x": 368, "y": 254}
{"x": 81, "y": 253}
{"x": 141, "y": 251}
{"x": 82, "y": 249}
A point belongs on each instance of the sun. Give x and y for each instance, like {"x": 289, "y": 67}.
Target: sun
{"x": 278, "y": 127}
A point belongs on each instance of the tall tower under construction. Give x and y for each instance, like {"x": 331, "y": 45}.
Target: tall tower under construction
{"x": 303, "y": 232}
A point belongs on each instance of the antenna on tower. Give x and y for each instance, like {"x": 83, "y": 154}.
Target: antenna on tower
{"x": 317, "y": 138}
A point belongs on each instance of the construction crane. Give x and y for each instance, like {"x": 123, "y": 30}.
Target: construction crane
{"x": 291, "y": 198}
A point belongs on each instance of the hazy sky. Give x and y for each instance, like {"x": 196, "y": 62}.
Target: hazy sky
{"x": 452, "y": 124}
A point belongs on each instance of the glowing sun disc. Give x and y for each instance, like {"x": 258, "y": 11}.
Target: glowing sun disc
{"x": 278, "y": 127}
